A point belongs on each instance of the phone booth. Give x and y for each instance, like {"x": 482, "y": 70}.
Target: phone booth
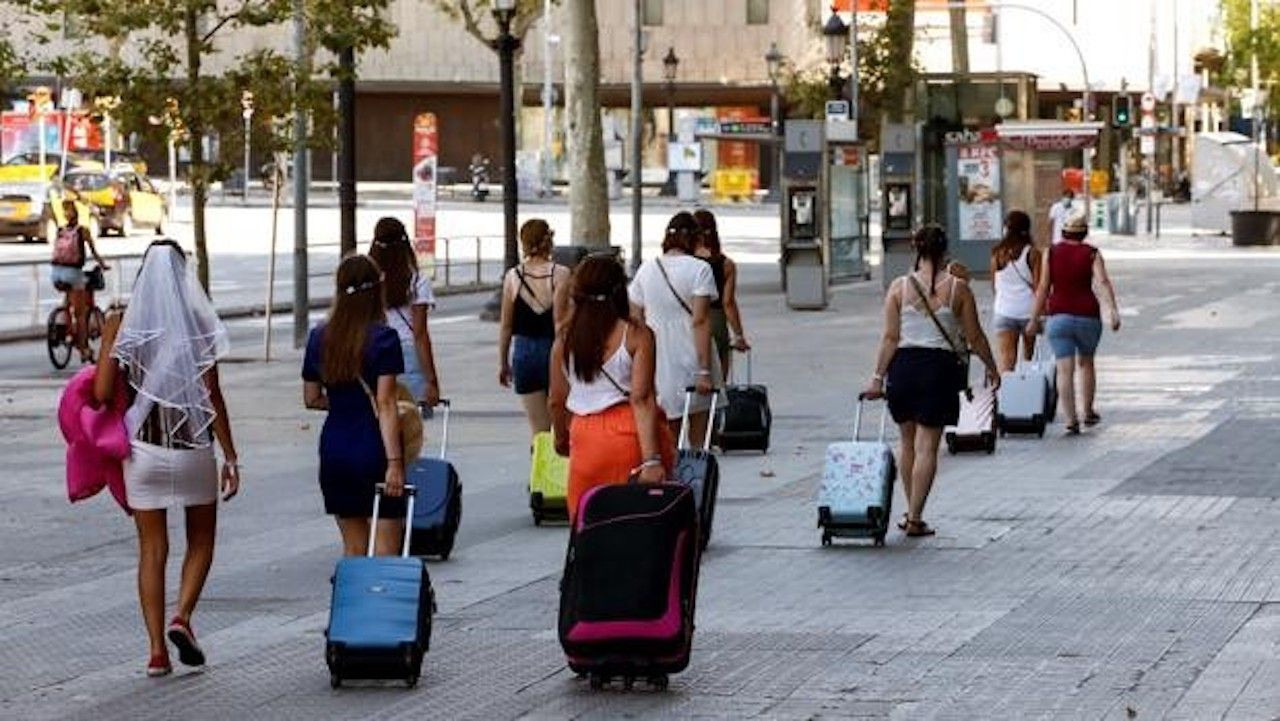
{"x": 898, "y": 161}
{"x": 847, "y": 221}
{"x": 804, "y": 257}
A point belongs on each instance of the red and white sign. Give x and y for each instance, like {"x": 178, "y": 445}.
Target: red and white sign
{"x": 426, "y": 149}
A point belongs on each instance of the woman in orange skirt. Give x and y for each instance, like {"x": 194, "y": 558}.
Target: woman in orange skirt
{"x": 603, "y": 408}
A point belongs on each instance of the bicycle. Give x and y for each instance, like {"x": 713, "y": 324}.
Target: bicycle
{"x": 60, "y": 330}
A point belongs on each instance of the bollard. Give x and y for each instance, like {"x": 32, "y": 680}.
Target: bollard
{"x": 477, "y": 261}
{"x": 448, "y": 265}
{"x": 35, "y": 295}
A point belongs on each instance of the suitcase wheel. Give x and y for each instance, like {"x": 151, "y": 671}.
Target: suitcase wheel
{"x": 660, "y": 682}
{"x": 879, "y": 540}
{"x": 537, "y": 518}
{"x": 826, "y": 539}
{"x": 989, "y": 442}
{"x": 628, "y": 683}
{"x": 411, "y": 681}
{"x": 334, "y": 680}
{"x": 951, "y": 444}
{"x": 598, "y": 681}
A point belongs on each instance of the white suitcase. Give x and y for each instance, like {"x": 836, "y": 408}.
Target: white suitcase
{"x": 1042, "y": 361}
{"x": 1023, "y": 401}
{"x": 855, "y": 499}
{"x": 975, "y": 430}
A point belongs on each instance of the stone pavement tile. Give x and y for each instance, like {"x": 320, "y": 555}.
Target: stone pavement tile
{"x": 1243, "y": 681}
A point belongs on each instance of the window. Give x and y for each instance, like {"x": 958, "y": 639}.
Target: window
{"x": 652, "y": 12}
{"x": 757, "y": 12}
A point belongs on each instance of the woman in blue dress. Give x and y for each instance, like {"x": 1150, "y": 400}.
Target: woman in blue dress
{"x": 350, "y": 366}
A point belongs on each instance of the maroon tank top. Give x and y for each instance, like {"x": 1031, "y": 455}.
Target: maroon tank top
{"x": 1071, "y": 280}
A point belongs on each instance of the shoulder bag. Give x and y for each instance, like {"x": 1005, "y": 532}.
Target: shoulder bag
{"x": 410, "y": 419}
{"x": 961, "y": 380}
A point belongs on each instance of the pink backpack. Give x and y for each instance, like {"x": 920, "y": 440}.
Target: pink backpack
{"x": 66, "y": 247}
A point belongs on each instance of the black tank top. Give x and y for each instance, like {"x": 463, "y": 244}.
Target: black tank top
{"x": 532, "y": 323}
{"x": 717, "y": 271}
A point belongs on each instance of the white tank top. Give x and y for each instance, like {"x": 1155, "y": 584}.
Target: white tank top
{"x": 602, "y": 393}
{"x": 919, "y": 331}
{"x": 1014, "y": 293}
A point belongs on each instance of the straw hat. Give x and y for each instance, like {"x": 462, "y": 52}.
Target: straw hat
{"x": 1076, "y": 223}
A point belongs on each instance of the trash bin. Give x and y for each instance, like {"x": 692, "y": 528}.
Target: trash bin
{"x": 1255, "y": 227}
{"x": 806, "y": 277}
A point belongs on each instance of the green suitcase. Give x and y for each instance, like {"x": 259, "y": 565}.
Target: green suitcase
{"x": 548, "y": 481}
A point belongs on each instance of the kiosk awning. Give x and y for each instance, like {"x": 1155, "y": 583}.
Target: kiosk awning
{"x": 1047, "y": 135}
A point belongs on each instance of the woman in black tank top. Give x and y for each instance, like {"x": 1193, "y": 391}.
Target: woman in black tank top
{"x": 532, "y": 303}
{"x": 724, "y": 309}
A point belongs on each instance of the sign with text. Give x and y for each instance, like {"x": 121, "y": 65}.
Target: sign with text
{"x": 426, "y": 151}
{"x": 978, "y": 178}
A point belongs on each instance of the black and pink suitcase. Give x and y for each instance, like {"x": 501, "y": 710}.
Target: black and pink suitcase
{"x": 630, "y": 582}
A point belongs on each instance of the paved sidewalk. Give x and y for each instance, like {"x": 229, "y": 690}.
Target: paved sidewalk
{"x": 1131, "y": 572}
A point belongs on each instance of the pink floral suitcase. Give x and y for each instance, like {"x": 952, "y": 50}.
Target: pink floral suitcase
{"x": 856, "y": 496}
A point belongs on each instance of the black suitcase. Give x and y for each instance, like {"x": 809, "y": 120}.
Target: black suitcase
{"x": 630, "y": 582}
{"x": 745, "y": 421}
{"x": 380, "y": 613}
{"x": 439, "y": 512}
{"x": 697, "y": 468}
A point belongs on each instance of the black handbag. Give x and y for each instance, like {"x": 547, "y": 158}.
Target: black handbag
{"x": 960, "y": 380}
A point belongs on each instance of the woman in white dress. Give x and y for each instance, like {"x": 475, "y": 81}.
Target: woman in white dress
{"x": 167, "y": 345}
{"x": 673, "y": 295}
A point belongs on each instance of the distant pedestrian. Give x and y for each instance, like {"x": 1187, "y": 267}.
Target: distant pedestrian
{"x": 532, "y": 305}
{"x": 350, "y": 370}
{"x": 1067, "y": 276}
{"x": 930, "y": 319}
{"x": 673, "y": 295}
{"x": 410, "y": 300}
{"x": 1059, "y": 212}
{"x": 1015, "y": 265}
{"x": 167, "y": 344}
{"x": 725, "y": 315}
{"x": 71, "y": 248}
{"x": 603, "y": 406}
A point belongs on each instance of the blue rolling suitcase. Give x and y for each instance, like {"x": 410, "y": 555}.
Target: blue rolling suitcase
{"x": 380, "y": 613}
{"x": 698, "y": 469}
{"x": 439, "y": 505}
{"x": 856, "y": 496}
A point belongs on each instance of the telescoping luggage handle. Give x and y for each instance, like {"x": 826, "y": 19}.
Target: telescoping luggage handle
{"x": 683, "y": 442}
{"x": 748, "y": 354}
{"x": 444, "y": 428}
{"x": 857, "y": 419}
{"x": 410, "y": 492}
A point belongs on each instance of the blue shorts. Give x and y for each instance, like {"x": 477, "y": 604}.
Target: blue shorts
{"x": 1004, "y": 323}
{"x": 531, "y": 364}
{"x": 1073, "y": 335}
{"x": 65, "y": 276}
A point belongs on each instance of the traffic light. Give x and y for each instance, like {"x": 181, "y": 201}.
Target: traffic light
{"x": 1123, "y": 111}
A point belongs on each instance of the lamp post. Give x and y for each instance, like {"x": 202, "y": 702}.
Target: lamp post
{"x": 836, "y": 34}
{"x": 246, "y": 104}
{"x": 670, "y": 66}
{"x": 504, "y": 12}
{"x": 773, "y": 62}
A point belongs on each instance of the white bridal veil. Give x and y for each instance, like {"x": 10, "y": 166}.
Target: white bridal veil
{"x": 169, "y": 337}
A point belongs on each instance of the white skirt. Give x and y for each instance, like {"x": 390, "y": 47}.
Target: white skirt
{"x": 156, "y": 477}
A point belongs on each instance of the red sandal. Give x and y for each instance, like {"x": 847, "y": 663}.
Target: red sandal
{"x": 159, "y": 665}
{"x": 182, "y": 637}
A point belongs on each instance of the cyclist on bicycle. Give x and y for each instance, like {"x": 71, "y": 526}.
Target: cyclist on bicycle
{"x": 68, "y": 273}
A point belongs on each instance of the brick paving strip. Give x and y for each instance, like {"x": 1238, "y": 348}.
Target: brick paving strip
{"x": 1131, "y": 572}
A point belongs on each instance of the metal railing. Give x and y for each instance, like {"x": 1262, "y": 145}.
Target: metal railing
{"x": 463, "y": 263}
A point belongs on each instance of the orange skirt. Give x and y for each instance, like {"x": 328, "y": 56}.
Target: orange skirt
{"x": 605, "y": 447}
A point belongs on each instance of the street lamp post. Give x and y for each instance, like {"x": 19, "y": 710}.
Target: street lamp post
{"x": 670, "y": 66}
{"x": 504, "y": 12}
{"x": 773, "y": 61}
{"x": 246, "y": 103}
{"x": 836, "y": 34}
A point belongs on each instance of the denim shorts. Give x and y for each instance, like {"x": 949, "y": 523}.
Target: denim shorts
{"x": 67, "y": 276}
{"x": 1073, "y": 335}
{"x": 1004, "y": 324}
{"x": 531, "y": 364}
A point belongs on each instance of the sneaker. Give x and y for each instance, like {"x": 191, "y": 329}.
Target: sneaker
{"x": 184, "y": 639}
{"x": 159, "y": 666}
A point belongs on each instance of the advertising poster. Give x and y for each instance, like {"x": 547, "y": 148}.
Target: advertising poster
{"x": 426, "y": 149}
{"x": 978, "y": 175}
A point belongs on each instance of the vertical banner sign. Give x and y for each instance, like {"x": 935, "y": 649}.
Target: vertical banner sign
{"x": 978, "y": 176}
{"x": 426, "y": 147}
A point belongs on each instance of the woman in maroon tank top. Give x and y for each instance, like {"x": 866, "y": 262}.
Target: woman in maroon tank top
{"x": 1067, "y": 276}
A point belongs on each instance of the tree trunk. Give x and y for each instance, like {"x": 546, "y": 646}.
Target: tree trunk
{"x": 900, "y": 23}
{"x": 588, "y": 184}
{"x": 199, "y": 172}
{"x": 959, "y": 42}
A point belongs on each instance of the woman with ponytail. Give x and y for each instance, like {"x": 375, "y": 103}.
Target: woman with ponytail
{"x": 930, "y": 322}
{"x": 1015, "y": 269}
{"x": 604, "y": 411}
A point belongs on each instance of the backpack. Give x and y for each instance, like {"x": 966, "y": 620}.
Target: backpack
{"x": 67, "y": 249}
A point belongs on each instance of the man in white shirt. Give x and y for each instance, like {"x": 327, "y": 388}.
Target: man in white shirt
{"x": 1059, "y": 213}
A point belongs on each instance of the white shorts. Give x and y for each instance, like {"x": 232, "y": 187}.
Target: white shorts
{"x": 156, "y": 477}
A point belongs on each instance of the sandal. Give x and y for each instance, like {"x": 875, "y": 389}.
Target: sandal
{"x": 1073, "y": 428}
{"x": 916, "y": 529}
{"x": 159, "y": 665}
{"x": 1092, "y": 419}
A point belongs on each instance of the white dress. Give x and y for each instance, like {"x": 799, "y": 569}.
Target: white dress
{"x": 672, "y": 325}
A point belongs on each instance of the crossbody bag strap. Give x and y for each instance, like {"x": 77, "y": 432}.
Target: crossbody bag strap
{"x": 674, "y": 292}
{"x": 928, "y": 309}
{"x": 534, "y": 296}
{"x": 609, "y": 377}
{"x": 1027, "y": 252}
{"x": 373, "y": 401}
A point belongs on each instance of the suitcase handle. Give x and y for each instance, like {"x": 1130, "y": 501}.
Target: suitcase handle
{"x": 444, "y": 428}
{"x": 748, "y": 353}
{"x": 682, "y": 443}
{"x": 857, "y": 419}
{"x": 411, "y": 492}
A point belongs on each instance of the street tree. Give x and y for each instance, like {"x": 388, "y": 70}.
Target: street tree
{"x": 1243, "y": 42}
{"x": 588, "y": 183}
